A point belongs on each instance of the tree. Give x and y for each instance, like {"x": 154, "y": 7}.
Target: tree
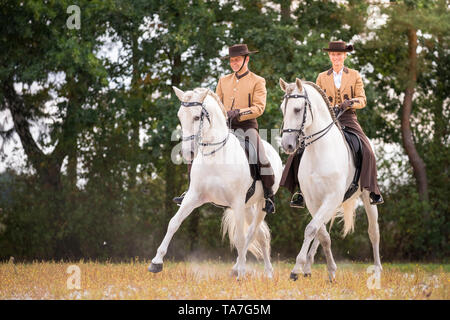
{"x": 37, "y": 48}
{"x": 393, "y": 53}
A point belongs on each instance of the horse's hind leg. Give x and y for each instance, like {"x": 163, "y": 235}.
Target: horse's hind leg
{"x": 323, "y": 238}
{"x": 310, "y": 258}
{"x": 325, "y": 241}
{"x": 321, "y": 216}
{"x": 263, "y": 239}
{"x": 189, "y": 203}
{"x": 374, "y": 232}
{"x": 239, "y": 242}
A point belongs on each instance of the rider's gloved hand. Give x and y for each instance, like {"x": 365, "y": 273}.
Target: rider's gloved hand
{"x": 233, "y": 113}
{"x": 346, "y": 104}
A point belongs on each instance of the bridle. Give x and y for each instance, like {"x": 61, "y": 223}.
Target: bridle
{"x": 300, "y": 133}
{"x": 198, "y": 136}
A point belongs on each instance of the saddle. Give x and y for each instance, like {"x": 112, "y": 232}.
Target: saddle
{"x": 356, "y": 149}
{"x": 251, "y": 153}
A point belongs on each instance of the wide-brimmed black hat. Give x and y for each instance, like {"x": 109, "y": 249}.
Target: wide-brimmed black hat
{"x": 238, "y": 50}
{"x": 338, "y": 46}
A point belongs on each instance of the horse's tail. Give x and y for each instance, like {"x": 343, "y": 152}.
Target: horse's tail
{"x": 229, "y": 226}
{"x": 347, "y": 214}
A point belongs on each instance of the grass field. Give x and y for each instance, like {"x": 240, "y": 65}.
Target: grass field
{"x": 212, "y": 280}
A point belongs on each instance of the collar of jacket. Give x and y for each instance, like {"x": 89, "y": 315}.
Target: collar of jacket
{"x": 331, "y": 71}
{"x": 242, "y": 75}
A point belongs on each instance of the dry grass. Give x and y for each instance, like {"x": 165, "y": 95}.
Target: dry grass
{"x": 212, "y": 280}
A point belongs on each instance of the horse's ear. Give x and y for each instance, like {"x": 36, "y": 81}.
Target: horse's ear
{"x": 178, "y": 92}
{"x": 298, "y": 83}
{"x": 283, "y": 85}
{"x": 203, "y": 95}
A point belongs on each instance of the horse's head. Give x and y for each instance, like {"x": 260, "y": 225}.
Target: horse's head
{"x": 295, "y": 114}
{"x": 197, "y": 113}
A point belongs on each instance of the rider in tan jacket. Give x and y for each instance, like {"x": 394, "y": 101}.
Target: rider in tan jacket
{"x": 344, "y": 89}
{"x": 243, "y": 93}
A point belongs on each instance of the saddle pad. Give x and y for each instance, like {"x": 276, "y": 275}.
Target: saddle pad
{"x": 356, "y": 148}
{"x": 251, "y": 153}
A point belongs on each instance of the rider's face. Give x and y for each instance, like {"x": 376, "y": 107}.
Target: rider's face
{"x": 337, "y": 59}
{"x": 236, "y": 63}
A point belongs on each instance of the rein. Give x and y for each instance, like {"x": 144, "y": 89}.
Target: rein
{"x": 198, "y": 136}
{"x": 301, "y": 134}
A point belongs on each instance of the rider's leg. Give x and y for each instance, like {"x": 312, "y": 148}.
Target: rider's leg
{"x": 297, "y": 200}
{"x": 266, "y": 171}
{"x": 369, "y": 164}
{"x": 180, "y": 198}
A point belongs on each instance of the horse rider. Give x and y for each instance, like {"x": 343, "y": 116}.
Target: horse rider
{"x": 344, "y": 88}
{"x": 243, "y": 94}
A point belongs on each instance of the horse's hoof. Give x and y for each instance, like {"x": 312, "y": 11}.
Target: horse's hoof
{"x": 155, "y": 267}
{"x": 293, "y": 276}
{"x": 307, "y": 275}
{"x": 332, "y": 278}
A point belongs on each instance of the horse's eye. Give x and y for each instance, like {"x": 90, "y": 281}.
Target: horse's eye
{"x": 297, "y": 110}
{"x": 196, "y": 118}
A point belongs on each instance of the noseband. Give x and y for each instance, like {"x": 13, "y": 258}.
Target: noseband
{"x": 198, "y": 136}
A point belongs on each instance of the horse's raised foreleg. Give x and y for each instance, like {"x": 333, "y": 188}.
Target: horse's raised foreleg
{"x": 190, "y": 202}
{"x": 374, "y": 232}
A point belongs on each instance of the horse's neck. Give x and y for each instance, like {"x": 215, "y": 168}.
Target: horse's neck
{"x": 321, "y": 118}
{"x": 320, "y": 115}
{"x": 218, "y": 129}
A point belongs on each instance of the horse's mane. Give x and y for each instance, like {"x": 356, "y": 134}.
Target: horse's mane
{"x": 216, "y": 97}
{"x": 325, "y": 98}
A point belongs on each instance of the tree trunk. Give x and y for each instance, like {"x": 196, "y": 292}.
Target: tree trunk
{"x": 47, "y": 167}
{"x": 285, "y": 11}
{"x": 408, "y": 142}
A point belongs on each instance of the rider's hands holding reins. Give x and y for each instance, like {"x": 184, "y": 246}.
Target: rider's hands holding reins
{"x": 232, "y": 114}
{"x": 346, "y": 104}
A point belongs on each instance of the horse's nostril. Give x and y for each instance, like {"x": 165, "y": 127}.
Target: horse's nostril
{"x": 192, "y": 154}
{"x": 290, "y": 147}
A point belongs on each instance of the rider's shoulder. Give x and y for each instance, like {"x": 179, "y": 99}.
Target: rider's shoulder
{"x": 325, "y": 73}
{"x": 257, "y": 78}
{"x": 227, "y": 76}
{"x": 329, "y": 72}
{"x": 352, "y": 71}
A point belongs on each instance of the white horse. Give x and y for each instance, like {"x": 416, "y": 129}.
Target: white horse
{"x": 220, "y": 174}
{"x": 326, "y": 171}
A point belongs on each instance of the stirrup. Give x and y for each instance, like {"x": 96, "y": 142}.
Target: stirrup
{"x": 179, "y": 199}
{"x": 268, "y": 205}
{"x": 297, "y": 203}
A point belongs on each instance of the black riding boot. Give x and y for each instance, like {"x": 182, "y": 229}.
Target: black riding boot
{"x": 297, "y": 200}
